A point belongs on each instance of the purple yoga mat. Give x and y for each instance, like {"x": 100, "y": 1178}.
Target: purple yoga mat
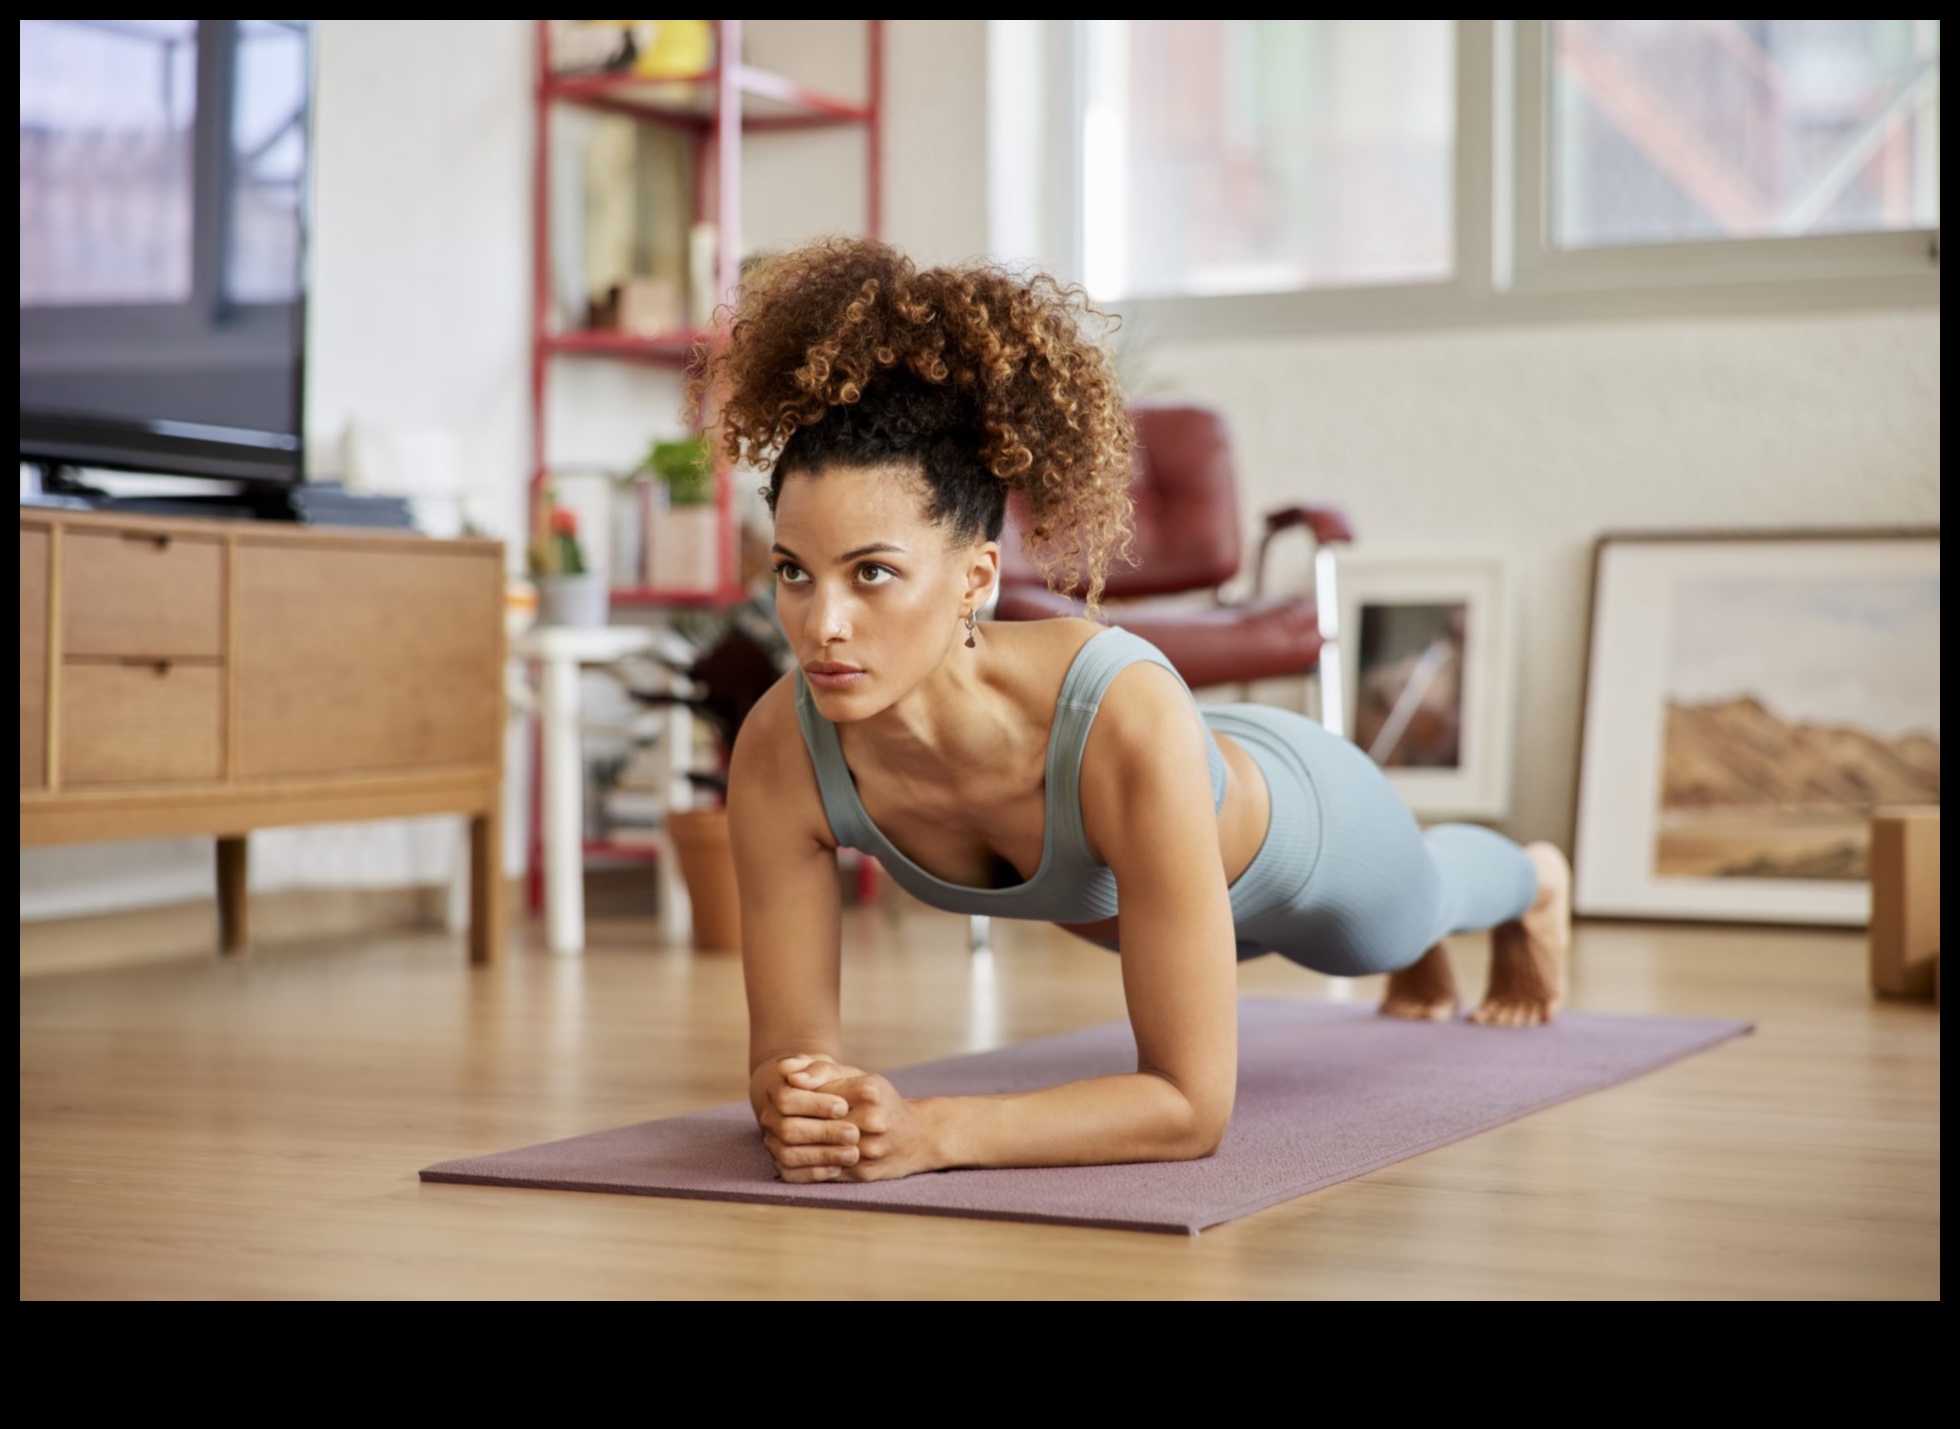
{"x": 1327, "y": 1091}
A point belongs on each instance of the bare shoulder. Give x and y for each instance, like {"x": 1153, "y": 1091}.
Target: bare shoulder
{"x": 1144, "y": 709}
{"x": 1146, "y": 780}
{"x": 1040, "y": 652}
{"x": 772, "y": 784}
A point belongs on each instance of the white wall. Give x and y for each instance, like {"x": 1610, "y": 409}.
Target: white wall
{"x": 1530, "y": 442}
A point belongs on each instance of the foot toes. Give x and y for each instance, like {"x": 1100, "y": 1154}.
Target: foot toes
{"x": 1418, "y": 1009}
{"x": 1511, "y": 1013}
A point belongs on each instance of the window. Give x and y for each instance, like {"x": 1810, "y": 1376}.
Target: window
{"x": 1222, "y": 177}
{"x": 1253, "y": 156}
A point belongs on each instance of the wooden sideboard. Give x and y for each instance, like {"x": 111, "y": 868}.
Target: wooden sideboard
{"x": 191, "y": 677}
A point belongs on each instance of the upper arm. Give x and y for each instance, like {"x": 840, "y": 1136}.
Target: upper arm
{"x": 786, "y": 874}
{"x": 1147, "y": 808}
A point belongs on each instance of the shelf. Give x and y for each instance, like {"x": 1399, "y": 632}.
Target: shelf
{"x": 655, "y": 595}
{"x": 649, "y": 852}
{"x": 769, "y": 101}
{"x": 668, "y": 349}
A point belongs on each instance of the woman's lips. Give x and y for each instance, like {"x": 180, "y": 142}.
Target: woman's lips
{"x": 837, "y": 677}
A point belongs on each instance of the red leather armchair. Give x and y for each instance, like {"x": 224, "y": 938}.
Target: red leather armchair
{"x": 1187, "y": 539}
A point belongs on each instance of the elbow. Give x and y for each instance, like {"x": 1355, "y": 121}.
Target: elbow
{"x": 1202, "y": 1129}
{"x": 1206, "y": 1137}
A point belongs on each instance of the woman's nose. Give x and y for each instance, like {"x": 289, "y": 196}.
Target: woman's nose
{"x": 828, "y": 620}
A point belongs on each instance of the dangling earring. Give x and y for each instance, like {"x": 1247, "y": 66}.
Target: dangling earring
{"x": 971, "y": 618}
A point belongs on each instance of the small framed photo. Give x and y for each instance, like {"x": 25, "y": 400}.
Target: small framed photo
{"x": 1749, "y": 701}
{"x": 1427, "y": 654}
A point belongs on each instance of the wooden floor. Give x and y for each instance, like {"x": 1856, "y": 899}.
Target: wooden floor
{"x": 254, "y": 1129}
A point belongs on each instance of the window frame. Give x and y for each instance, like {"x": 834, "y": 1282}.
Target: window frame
{"x": 1505, "y": 271}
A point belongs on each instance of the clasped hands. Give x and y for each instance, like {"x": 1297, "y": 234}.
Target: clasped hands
{"x": 825, "y": 1121}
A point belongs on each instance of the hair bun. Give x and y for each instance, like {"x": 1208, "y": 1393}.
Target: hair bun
{"x": 981, "y": 355}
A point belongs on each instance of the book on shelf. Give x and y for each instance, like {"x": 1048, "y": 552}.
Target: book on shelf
{"x": 634, "y": 806}
{"x": 634, "y": 835}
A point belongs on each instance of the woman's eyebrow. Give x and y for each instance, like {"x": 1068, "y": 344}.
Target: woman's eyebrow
{"x": 875, "y": 548}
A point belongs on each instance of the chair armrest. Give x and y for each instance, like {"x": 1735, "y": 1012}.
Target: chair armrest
{"x": 1329, "y": 524}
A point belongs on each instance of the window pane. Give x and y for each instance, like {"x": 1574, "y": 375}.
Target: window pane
{"x": 1249, "y": 156}
{"x": 1669, "y": 131}
{"x": 268, "y": 161}
{"x": 106, "y": 109}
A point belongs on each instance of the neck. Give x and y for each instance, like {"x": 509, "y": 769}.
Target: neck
{"x": 954, "y": 720}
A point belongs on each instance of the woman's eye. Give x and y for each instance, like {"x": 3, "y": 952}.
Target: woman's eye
{"x": 867, "y": 572}
{"x": 788, "y": 573}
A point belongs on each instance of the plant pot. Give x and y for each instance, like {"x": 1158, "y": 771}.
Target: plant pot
{"x": 580, "y": 602}
{"x": 708, "y": 868}
{"x": 682, "y": 545}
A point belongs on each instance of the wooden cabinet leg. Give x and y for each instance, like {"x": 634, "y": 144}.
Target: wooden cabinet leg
{"x": 234, "y": 923}
{"x": 486, "y": 887}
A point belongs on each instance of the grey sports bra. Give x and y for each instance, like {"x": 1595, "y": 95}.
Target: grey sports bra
{"x": 1071, "y": 885}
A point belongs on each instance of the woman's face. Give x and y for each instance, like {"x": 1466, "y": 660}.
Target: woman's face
{"x": 869, "y": 591}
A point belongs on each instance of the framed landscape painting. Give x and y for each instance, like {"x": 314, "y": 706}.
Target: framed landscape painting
{"x": 1749, "y": 702}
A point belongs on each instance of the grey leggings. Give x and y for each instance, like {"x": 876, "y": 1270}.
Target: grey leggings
{"x": 1346, "y": 882}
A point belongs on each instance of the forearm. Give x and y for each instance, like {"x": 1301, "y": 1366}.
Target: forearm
{"x": 1138, "y": 1116}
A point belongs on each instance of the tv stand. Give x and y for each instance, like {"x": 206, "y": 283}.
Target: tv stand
{"x": 203, "y": 677}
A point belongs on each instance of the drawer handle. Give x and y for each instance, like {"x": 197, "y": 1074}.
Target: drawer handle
{"x": 144, "y": 662}
{"x": 159, "y": 539}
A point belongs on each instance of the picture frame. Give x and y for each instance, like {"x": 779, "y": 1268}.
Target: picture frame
{"x": 1428, "y": 659}
{"x": 1750, "y": 698}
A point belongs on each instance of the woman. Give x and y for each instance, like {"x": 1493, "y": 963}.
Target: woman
{"x": 1054, "y": 769}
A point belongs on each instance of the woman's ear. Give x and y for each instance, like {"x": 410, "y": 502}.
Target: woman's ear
{"x": 983, "y": 574}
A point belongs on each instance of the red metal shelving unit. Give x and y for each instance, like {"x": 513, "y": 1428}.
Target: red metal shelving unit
{"x": 715, "y": 108}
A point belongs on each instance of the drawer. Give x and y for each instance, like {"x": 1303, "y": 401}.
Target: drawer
{"x": 130, "y": 593}
{"x": 140, "y": 723}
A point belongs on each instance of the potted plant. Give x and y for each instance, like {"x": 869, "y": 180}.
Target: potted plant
{"x": 737, "y": 658}
{"x": 570, "y": 592}
{"x": 683, "y": 533}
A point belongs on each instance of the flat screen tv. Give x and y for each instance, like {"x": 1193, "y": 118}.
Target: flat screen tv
{"x": 163, "y": 208}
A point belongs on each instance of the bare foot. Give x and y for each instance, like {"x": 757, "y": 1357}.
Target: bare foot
{"x": 1528, "y": 954}
{"x": 1424, "y": 991}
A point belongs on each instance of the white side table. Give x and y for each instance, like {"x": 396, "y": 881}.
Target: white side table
{"x": 559, "y": 652}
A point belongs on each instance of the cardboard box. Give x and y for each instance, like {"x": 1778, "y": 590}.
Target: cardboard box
{"x": 1905, "y": 928}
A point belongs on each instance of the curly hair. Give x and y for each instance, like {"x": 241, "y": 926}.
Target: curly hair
{"x": 845, "y": 353}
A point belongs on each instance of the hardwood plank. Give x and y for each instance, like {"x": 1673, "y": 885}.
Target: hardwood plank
{"x": 264, "y": 533}
{"x": 33, "y": 658}
{"x": 89, "y": 815}
{"x": 254, "y": 1130}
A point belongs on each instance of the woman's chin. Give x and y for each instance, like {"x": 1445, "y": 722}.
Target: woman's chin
{"x": 853, "y": 701}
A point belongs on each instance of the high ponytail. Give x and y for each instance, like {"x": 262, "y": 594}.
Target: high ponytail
{"x": 844, "y": 353}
